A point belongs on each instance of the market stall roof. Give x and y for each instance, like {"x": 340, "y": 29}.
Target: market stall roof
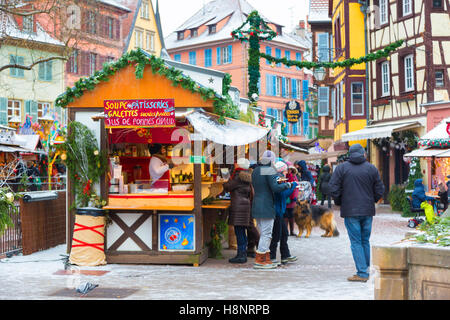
{"x": 438, "y": 132}
{"x": 231, "y": 133}
{"x": 316, "y": 156}
{"x": 30, "y": 143}
{"x": 445, "y": 154}
{"x": 12, "y": 148}
{"x": 380, "y": 130}
{"x": 293, "y": 148}
{"x": 425, "y": 152}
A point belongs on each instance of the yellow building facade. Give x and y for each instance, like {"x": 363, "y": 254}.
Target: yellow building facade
{"x": 145, "y": 30}
{"x": 349, "y": 90}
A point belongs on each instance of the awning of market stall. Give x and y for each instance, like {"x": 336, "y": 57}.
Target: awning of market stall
{"x": 12, "y": 148}
{"x": 379, "y": 131}
{"x": 231, "y": 132}
{"x": 426, "y": 152}
{"x": 293, "y": 148}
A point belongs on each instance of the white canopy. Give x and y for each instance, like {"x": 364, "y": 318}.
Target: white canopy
{"x": 231, "y": 133}
{"x": 438, "y": 132}
{"x": 426, "y": 152}
{"x": 379, "y": 131}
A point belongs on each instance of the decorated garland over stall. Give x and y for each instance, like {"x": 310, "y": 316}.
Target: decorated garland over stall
{"x": 223, "y": 104}
{"x": 258, "y": 30}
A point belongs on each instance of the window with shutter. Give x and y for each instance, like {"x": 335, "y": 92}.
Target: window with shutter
{"x": 208, "y": 58}
{"x": 305, "y": 123}
{"x": 219, "y": 55}
{"x": 45, "y": 71}
{"x": 192, "y": 58}
{"x": 323, "y": 50}
{"x": 294, "y": 88}
{"x": 3, "y": 111}
{"x": 278, "y": 55}
{"x": 305, "y": 89}
{"x": 117, "y": 29}
{"x": 323, "y": 101}
{"x": 409, "y": 72}
{"x": 92, "y": 63}
{"x": 287, "y": 54}
{"x": 333, "y": 103}
{"x": 177, "y": 57}
{"x": 17, "y": 60}
{"x": 298, "y": 57}
{"x": 268, "y": 52}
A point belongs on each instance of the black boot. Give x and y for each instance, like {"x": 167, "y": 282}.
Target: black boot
{"x": 251, "y": 253}
{"x": 241, "y": 257}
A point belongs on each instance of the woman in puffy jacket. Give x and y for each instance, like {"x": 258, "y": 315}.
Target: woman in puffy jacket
{"x": 240, "y": 190}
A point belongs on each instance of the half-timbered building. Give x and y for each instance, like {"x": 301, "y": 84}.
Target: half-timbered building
{"x": 411, "y": 77}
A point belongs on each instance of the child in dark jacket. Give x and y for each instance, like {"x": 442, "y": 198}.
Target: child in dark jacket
{"x": 418, "y": 195}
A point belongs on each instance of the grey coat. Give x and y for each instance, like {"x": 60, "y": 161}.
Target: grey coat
{"x": 265, "y": 185}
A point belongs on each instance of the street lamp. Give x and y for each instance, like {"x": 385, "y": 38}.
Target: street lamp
{"x": 319, "y": 74}
{"x": 47, "y": 123}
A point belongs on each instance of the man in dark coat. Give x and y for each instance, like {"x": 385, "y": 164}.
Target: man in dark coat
{"x": 324, "y": 179}
{"x": 357, "y": 185}
{"x": 239, "y": 187}
{"x": 265, "y": 185}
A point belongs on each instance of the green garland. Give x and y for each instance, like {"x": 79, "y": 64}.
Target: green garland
{"x": 383, "y": 53}
{"x": 435, "y": 143}
{"x": 259, "y": 30}
{"x": 223, "y": 105}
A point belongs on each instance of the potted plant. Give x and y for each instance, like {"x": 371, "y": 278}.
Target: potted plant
{"x": 85, "y": 164}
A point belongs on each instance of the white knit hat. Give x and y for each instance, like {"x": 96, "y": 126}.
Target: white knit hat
{"x": 243, "y": 163}
{"x": 280, "y": 166}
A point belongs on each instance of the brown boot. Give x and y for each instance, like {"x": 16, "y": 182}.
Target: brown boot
{"x": 262, "y": 261}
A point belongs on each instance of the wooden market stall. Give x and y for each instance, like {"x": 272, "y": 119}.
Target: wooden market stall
{"x": 151, "y": 223}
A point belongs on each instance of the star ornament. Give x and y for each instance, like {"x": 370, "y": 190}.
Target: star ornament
{"x": 211, "y": 80}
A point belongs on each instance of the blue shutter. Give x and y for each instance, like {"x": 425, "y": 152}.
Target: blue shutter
{"x": 323, "y": 52}
{"x": 4, "y": 111}
{"x": 268, "y": 82}
{"x": 294, "y": 88}
{"x": 49, "y": 71}
{"x": 219, "y": 58}
{"x": 41, "y": 74}
{"x": 34, "y": 111}
{"x": 177, "y": 57}
{"x": 287, "y": 54}
{"x": 305, "y": 89}
{"x": 268, "y": 52}
{"x": 298, "y": 57}
{"x": 230, "y": 54}
{"x": 283, "y": 87}
{"x": 208, "y": 57}
{"x": 278, "y": 55}
{"x": 274, "y": 86}
{"x": 295, "y": 129}
{"x": 324, "y": 97}
{"x": 305, "y": 124}
{"x": 28, "y": 107}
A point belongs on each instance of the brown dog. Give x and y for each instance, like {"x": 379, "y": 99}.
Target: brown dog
{"x": 307, "y": 216}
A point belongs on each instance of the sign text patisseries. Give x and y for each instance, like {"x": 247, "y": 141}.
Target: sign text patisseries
{"x": 150, "y": 113}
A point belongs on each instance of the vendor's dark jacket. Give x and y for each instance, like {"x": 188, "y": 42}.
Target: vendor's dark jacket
{"x": 325, "y": 178}
{"x": 356, "y": 186}
{"x": 240, "y": 190}
{"x": 265, "y": 185}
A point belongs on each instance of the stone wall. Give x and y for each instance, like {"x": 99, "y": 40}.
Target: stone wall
{"x": 414, "y": 272}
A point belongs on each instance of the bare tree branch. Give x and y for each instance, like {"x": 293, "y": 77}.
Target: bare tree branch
{"x": 18, "y": 66}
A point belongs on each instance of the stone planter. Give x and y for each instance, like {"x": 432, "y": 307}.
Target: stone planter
{"x": 412, "y": 272}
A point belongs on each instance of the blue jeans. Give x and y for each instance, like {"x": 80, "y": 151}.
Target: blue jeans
{"x": 359, "y": 229}
{"x": 241, "y": 238}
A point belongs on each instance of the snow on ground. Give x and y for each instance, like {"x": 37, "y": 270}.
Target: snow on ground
{"x": 320, "y": 273}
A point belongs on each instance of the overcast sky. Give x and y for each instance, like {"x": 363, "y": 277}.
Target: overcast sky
{"x": 285, "y": 12}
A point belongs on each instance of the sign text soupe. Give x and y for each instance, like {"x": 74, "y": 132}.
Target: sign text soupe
{"x": 156, "y": 113}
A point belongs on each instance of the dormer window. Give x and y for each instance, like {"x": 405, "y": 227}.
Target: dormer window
{"x": 28, "y": 22}
{"x": 194, "y": 33}
{"x": 180, "y": 35}
{"x": 280, "y": 30}
{"x": 212, "y": 29}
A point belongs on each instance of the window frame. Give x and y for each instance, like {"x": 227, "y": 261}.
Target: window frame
{"x": 14, "y": 108}
{"x": 180, "y": 35}
{"x": 410, "y": 2}
{"x": 193, "y": 58}
{"x": 138, "y": 40}
{"x": 212, "y": 29}
{"x": 92, "y": 66}
{"x": 409, "y": 57}
{"x": 16, "y": 72}
{"x": 352, "y": 93}
{"x": 442, "y": 81}
{"x": 385, "y": 81}
{"x": 41, "y": 108}
{"x": 47, "y": 65}
{"x": 28, "y": 24}
{"x": 145, "y": 10}
{"x": 386, "y": 11}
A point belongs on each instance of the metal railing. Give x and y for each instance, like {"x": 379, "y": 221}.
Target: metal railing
{"x": 11, "y": 239}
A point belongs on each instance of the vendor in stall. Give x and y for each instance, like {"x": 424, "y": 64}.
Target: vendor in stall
{"x": 159, "y": 164}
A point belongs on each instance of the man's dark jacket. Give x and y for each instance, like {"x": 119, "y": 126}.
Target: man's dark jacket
{"x": 357, "y": 185}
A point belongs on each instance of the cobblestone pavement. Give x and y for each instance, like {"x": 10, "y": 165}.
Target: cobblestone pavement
{"x": 320, "y": 273}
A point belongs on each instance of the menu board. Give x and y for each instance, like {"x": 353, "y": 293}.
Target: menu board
{"x": 146, "y": 113}
{"x": 293, "y": 112}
